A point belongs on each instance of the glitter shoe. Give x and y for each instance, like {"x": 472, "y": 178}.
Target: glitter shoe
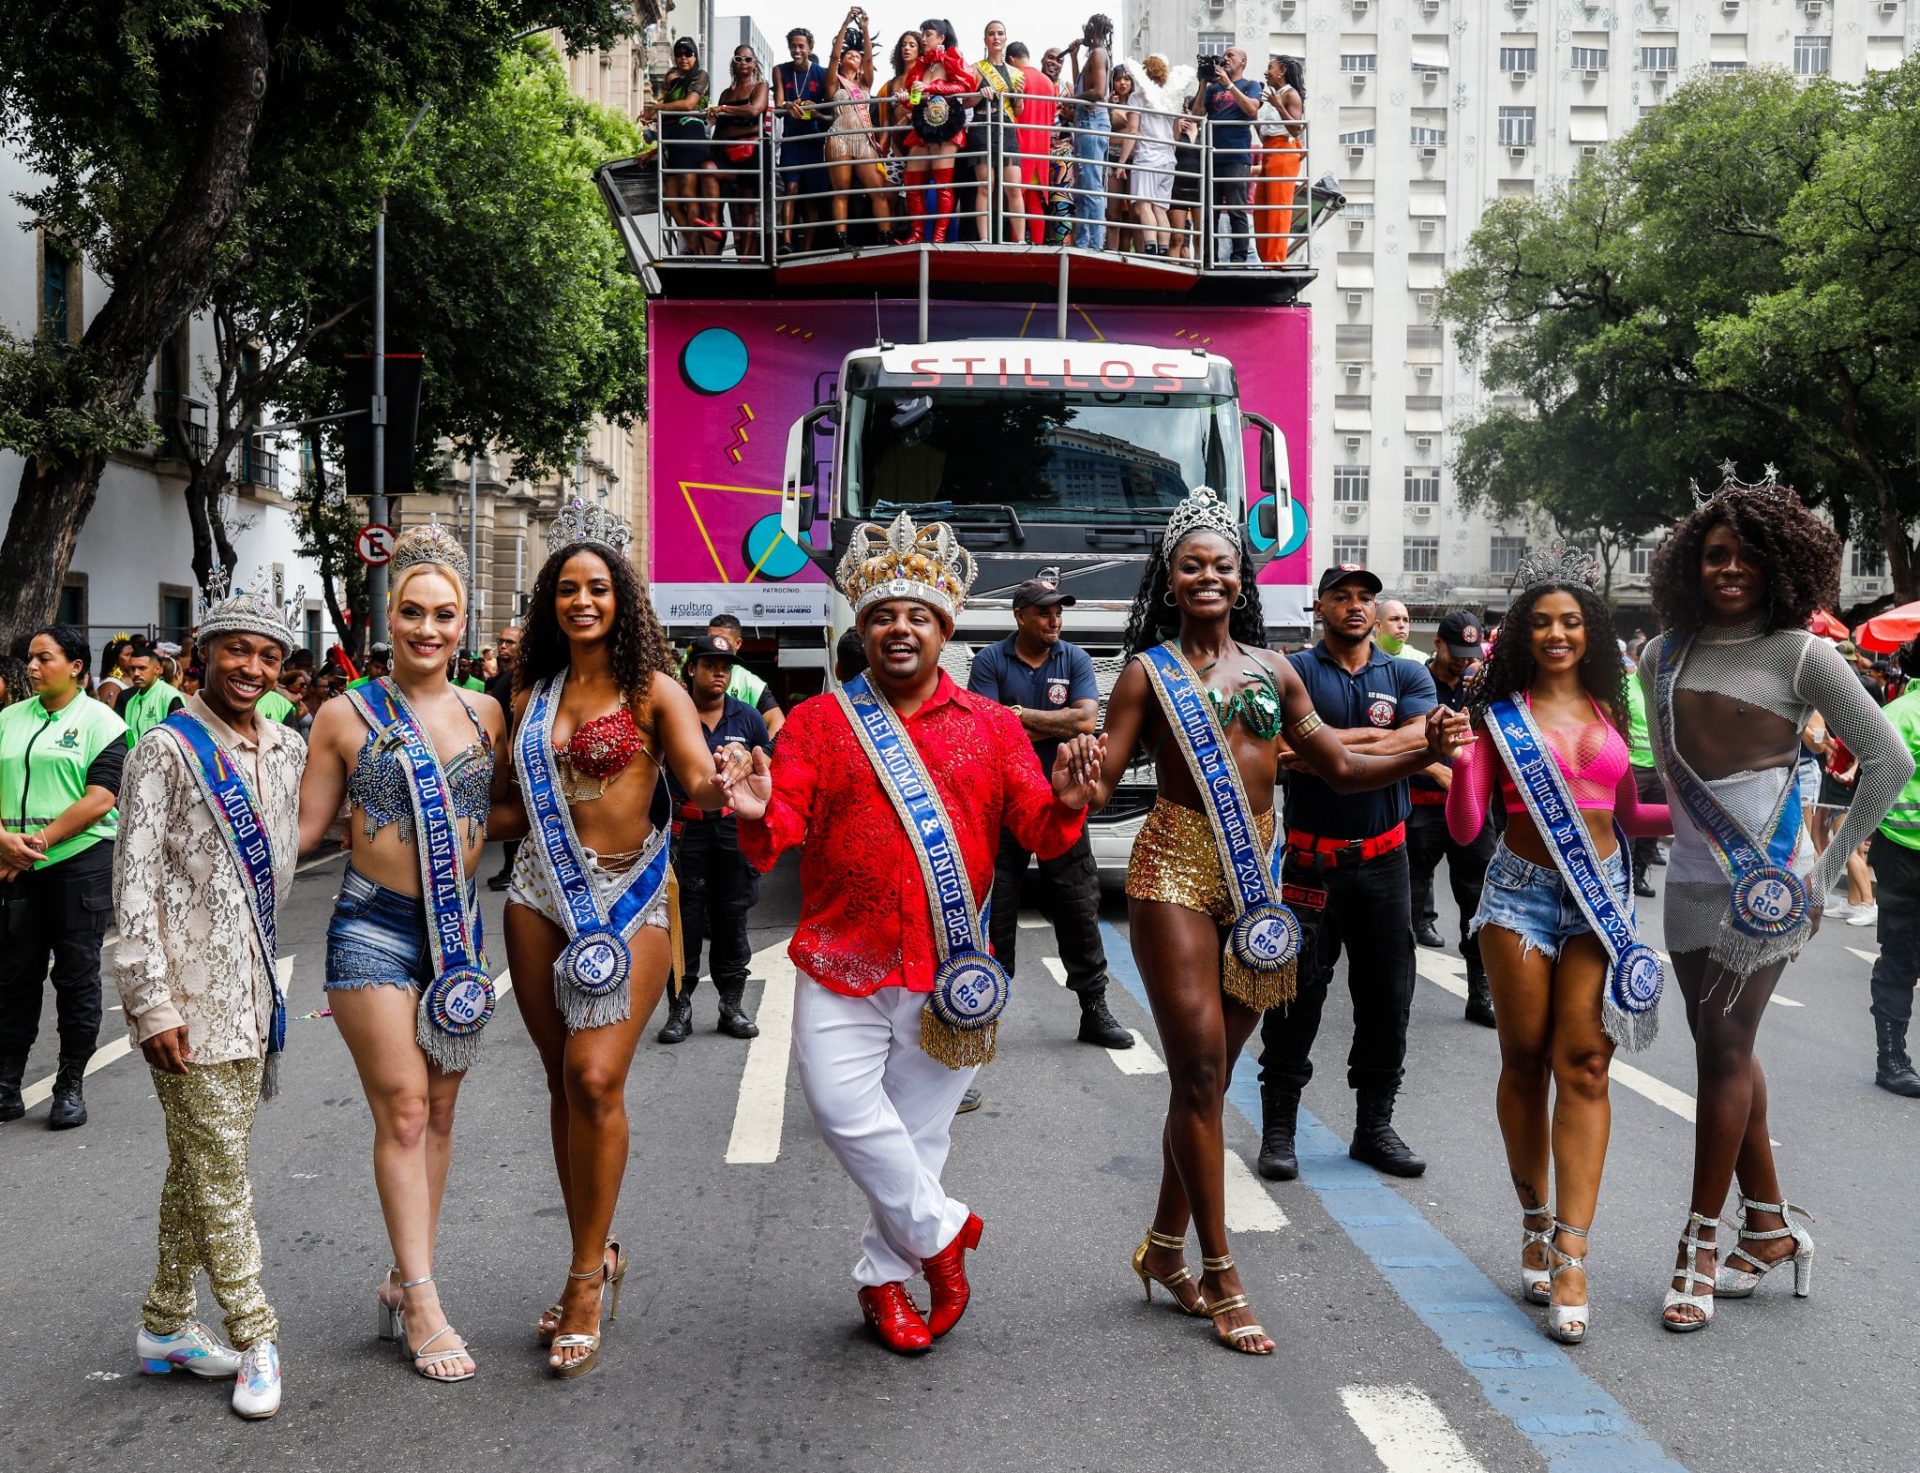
{"x": 192, "y": 1347}
{"x": 256, "y": 1390}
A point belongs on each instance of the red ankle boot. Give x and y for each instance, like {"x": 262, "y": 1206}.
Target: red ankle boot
{"x": 894, "y": 1319}
{"x": 943, "y": 209}
{"x": 946, "y": 1275}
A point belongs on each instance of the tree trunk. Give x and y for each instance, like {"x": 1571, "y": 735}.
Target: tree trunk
{"x": 164, "y": 283}
{"x": 211, "y": 547}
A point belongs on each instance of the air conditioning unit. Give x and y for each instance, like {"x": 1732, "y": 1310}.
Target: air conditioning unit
{"x": 1517, "y": 151}
{"x": 1889, "y": 7}
{"x": 1353, "y": 444}
{"x": 1356, "y": 151}
{"x": 1288, "y": 5}
{"x": 1429, "y": 153}
{"x": 1424, "y": 299}
{"x": 1421, "y": 511}
{"x": 1356, "y": 299}
{"x": 1519, "y": 76}
{"x": 1355, "y": 224}
{"x": 1427, "y": 227}
{"x": 1423, "y": 371}
{"x": 1360, "y": 7}
{"x": 1359, "y": 80}
{"x": 1354, "y": 370}
{"x": 1589, "y": 150}
{"x": 1592, "y": 74}
{"x": 1430, "y": 79}
{"x": 1660, "y": 76}
{"x": 1430, "y": 7}
{"x": 1729, "y": 7}
{"x": 1871, "y": 585}
{"x": 1423, "y": 442}
{"x": 1350, "y": 511}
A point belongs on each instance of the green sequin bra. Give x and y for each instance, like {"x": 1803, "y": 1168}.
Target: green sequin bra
{"x": 1257, "y": 706}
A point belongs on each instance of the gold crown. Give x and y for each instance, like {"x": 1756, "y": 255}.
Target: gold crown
{"x": 904, "y": 561}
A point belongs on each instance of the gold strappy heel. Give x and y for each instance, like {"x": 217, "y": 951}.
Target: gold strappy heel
{"x": 610, "y": 1283}
{"x": 1172, "y": 1281}
{"x": 545, "y": 1331}
{"x": 1232, "y": 1338}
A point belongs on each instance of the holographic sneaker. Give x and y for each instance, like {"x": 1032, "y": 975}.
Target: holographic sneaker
{"x": 192, "y": 1347}
{"x": 256, "y": 1390}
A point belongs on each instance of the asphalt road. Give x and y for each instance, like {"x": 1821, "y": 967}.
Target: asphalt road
{"x": 1403, "y": 1343}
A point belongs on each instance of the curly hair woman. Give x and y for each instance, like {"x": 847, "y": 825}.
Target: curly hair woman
{"x": 1555, "y": 658}
{"x": 596, "y": 715}
{"x": 1731, "y": 685}
{"x": 1196, "y": 625}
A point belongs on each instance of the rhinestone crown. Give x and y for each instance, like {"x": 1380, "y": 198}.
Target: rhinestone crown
{"x": 904, "y": 561}
{"x": 249, "y": 611}
{"x": 434, "y": 544}
{"x": 578, "y": 522}
{"x": 1202, "y": 511}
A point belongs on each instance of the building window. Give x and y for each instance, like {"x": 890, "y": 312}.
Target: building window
{"x": 176, "y": 613}
{"x": 1660, "y": 58}
{"x": 1589, "y": 58}
{"x": 1358, "y": 209}
{"x": 1358, "y": 138}
{"x": 1640, "y": 560}
{"x": 1428, "y": 137}
{"x": 1867, "y": 561}
{"x": 1350, "y": 550}
{"x": 315, "y": 633}
{"x": 1359, "y": 61}
{"x": 1516, "y": 127}
{"x": 56, "y": 291}
{"x": 1727, "y": 66}
{"x": 1518, "y": 59}
{"x": 1352, "y": 482}
{"x": 1421, "y": 555}
{"x": 1423, "y": 485}
{"x": 1507, "y": 552}
{"x": 1812, "y": 56}
{"x": 73, "y": 602}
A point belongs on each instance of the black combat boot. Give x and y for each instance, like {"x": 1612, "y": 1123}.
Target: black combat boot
{"x": 1479, "y": 999}
{"x": 1280, "y": 1115}
{"x": 1895, "y": 1072}
{"x": 733, "y": 1019}
{"x": 1097, "y": 1025}
{"x": 69, "y": 1105}
{"x": 679, "y": 1019}
{"x": 1377, "y": 1143}
{"x": 12, "y": 1107}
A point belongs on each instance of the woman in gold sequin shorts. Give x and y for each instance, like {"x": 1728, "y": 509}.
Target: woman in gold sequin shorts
{"x": 1198, "y": 594}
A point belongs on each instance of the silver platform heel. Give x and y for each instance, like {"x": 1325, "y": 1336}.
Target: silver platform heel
{"x": 1739, "y": 1283}
{"x": 1690, "y": 1275}
{"x": 1567, "y": 1323}
{"x": 1536, "y": 1285}
{"x": 386, "y": 1317}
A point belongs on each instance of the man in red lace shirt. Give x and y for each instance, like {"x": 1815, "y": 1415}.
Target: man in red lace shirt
{"x": 867, "y": 945}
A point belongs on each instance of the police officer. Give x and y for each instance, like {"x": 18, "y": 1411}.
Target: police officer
{"x": 1456, "y": 656}
{"x": 1049, "y": 685}
{"x": 1347, "y": 879}
{"x": 717, "y": 886}
{"x": 61, "y": 755}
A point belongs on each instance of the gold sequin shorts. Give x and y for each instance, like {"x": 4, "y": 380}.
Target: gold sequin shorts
{"x": 1176, "y": 861}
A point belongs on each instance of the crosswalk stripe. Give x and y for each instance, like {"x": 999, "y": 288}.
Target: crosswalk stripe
{"x": 1056, "y": 968}
{"x": 1250, "y": 1206}
{"x": 1140, "y": 1059}
{"x": 760, "y": 1115}
{"x": 1864, "y": 954}
{"x": 1408, "y": 1431}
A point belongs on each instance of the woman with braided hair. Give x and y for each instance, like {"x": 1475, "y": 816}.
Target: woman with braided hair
{"x": 1202, "y": 693}
{"x": 1731, "y": 686}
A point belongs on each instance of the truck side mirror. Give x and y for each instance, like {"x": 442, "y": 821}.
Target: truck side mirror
{"x": 800, "y": 485}
{"x": 1266, "y": 521}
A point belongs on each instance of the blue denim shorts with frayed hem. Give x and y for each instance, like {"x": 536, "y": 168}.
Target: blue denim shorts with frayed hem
{"x": 1533, "y": 902}
{"x": 378, "y": 937}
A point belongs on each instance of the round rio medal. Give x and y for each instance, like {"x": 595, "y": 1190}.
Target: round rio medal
{"x": 461, "y": 1001}
{"x": 1636, "y": 979}
{"x": 1769, "y": 901}
{"x": 596, "y": 963}
{"x": 970, "y": 991}
{"x": 1266, "y": 937}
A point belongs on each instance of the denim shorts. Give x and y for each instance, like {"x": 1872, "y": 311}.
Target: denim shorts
{"x": 1533, "y": 902}
{"x": 379, "y": 937}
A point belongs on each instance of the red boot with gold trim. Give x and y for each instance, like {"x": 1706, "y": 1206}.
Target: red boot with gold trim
{"x": 946, "y": 1275}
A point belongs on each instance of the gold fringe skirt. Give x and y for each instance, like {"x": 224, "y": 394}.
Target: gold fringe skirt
{"x": 1176, "y": 861}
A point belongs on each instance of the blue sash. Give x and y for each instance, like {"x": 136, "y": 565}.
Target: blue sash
{"x": 590, "y": 977}
{"x": 458, "y": 1002}
{"x": 1629, "y": 1002}
{"x": 1266, "y": 935}
{"x": 970, "y": 988}
{"x": 251, "y": 849}
{"x": 1767, "y": 918}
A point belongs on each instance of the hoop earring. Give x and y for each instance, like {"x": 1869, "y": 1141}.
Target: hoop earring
{"x": 1169, "y": 600}
{"x": 1240, "y": 602}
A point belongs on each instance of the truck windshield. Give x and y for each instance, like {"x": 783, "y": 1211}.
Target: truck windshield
{"x": 1052, "y": 455}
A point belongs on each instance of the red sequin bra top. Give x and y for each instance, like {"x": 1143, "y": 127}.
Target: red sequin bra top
{"x": 598, "y": 751}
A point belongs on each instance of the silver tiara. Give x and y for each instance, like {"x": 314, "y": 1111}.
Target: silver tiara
{"x": 1202, "y": 511}
{"x": 1557, "y": 565}
{"x": 434, "y": 544}
{"x": 1730, "y": 482}
{"x": 579, "y": 522}
{"x": 248, "y": 611}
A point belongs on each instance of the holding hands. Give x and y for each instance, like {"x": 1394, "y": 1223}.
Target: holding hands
{"x": 1076, "y": 769}
{"x": 1449, "y": 732}
{"x": 752, "y": 790}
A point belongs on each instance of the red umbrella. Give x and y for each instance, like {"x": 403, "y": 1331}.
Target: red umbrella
{"x": 1826, "y": 626}
{"x": 1885, "y": 633}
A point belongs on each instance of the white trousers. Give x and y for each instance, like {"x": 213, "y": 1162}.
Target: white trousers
{"x": 886, "y": 1110}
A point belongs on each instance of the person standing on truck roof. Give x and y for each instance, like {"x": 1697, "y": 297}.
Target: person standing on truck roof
{"x": 800, "y": 93}
{"x": 1091, "y": 123}
{"x": 745, "y": 685}
{"x": 1048, "y": 683}
{"x": 1348, "y": 878}
{"x": 1230, "y": 103}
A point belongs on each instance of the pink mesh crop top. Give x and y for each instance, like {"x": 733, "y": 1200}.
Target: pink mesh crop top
{"x": 1593, "y": 759}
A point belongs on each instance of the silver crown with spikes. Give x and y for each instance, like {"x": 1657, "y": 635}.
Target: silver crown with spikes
{"x": 248, "y": 611}
{"x": 1202, "y": 511}
{"x": 432, "y": 543}
{"x": 578, "y": 522}
{"x": 1730, "y": 482}
{"x": 1557, "y": 565}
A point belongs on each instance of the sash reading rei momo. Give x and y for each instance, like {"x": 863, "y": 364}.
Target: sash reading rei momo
{"x": 458, "y": 1002}
{"x": 1767, "y": 915}
{"x": 249, "y": 847}
{"x": 970, "y": 989}
{"x": 1630, "y": 1001}
{"x": 1260, "y": 964}
{"x": 591, "y": 977}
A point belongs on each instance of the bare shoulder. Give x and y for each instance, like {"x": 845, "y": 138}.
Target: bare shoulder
{"x": 335, "y": 723}
{"x": 487, "y": 709}
{"x": 1273, "y": 662}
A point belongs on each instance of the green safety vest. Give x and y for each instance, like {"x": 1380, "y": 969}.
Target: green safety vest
{"x": 746, "y": 686}
{"x": 1902, "y": 823}
{"x": 1639, "y": 739}
{"x": 148, "y": 708}
{"x": 44, "y": 757}
{"x": 274, "y": 707}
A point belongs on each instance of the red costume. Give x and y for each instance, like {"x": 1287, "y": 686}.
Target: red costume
{"x": 955, "y": 80}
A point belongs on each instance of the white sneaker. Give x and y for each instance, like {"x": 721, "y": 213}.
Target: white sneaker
{"x": 256, "y": 1390}
{"x": 1864, "y": 915}
{"x": 192, "y": 1347}
{"x": 1840, "y": 911}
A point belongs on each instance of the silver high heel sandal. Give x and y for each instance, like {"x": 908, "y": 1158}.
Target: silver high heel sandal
{"x": 386, "y": 1323}
{"x": 1567, "y": 1323}
{"x": 1739, "y": 1283}
{"x": 1691, "y": 1275}
{"x": 420, "y": 1357}
{"x": 1536, "y": 1286}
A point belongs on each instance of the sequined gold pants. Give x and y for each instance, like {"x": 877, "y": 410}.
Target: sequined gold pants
{"x": 206, "y": 1207}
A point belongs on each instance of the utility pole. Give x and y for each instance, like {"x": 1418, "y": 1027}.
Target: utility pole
{"x": 473, "y": 549}
{"x": 377, "y": 502}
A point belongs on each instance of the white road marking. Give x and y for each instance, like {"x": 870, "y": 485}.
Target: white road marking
{"x": 1408, "y": 1431}
{"x": 762, "y": 1109}
{"x": 1140, "y": 1059}
{"x": 1057, "y": 968}
{"x": 1032, "y": 920}
{"x": 1864, "y": 954}
{"x": 1250, "y": 1206}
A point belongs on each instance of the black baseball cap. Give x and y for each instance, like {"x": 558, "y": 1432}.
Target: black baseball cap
{"x": 1461, "y": 632}
{"x": 1342, "y": 572}
{"x": 1042, "y": 592}
{"x": 712, "y": 647}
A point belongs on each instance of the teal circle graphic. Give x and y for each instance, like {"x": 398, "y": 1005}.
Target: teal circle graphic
{"x": 1293, "y": 539}
{"x": 713, "y": 361}
{"x": 783, "y": 562}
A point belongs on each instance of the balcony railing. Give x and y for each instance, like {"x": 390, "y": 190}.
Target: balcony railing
{"x": 855, "y": 178}
{"x": 183, "y": 424}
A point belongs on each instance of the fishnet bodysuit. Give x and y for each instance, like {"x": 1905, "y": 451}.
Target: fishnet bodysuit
{"x": 1791, "y": 673}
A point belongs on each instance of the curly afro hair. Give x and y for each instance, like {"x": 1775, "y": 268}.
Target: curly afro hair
{"x": 1153, "y": 621}
{"x": 1797, "y": 552}
{"x": 640, "y": 646}
{"x": 1508, "y": 671}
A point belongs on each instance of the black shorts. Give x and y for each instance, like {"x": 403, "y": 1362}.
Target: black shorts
{"x": 682, "y": 155}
